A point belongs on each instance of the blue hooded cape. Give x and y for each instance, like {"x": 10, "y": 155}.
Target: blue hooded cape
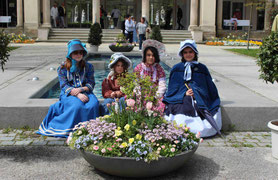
{"x": 205, "y": 91}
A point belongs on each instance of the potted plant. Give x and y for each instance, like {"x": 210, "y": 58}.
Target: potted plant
{"x": 95, "y": 37}
{"x": 4, "y": 49}
{"x": 156, "y": 34}
{"x": 135, "y": 141}
{"x": 268, "y": 63}
{"x": 121, "y": 45}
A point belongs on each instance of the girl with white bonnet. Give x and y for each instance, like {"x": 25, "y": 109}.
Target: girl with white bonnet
{"x": 118, "y": 65}
{"x": 192, "y": 97}
{"x": 77, "y": 102}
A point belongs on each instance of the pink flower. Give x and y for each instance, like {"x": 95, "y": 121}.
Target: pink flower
{"x": 201, "y": 140}
{"x": 149, "y": 105}
{"x": 172, "y": 149}
{"x": 163, "y": 147}
{"x": 198, "y": 135}
{"x": 95, "y": 148}
{"x": 108, "y": 105}
{"x": 103, "y": 150}
{"x": 110, "y": 149}
{"x": 130, "y": 102}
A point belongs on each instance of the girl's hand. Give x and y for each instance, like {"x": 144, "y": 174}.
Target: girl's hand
{"x": 83, "y": 97}
{"x": 113, "y": 95}
{"x": 189, "y": 92}
{"x": 118, "y": 94}
{"x": 75, "y": 91}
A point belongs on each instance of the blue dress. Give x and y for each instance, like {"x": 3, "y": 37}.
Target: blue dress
{"x": 184, "y": 109}
{"x": 69, "y": 110}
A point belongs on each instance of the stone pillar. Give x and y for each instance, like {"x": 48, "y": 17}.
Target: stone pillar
{"x": 31, "y": 17}
{"x": 219, "y": 14}
{"x": 267, "y": 16}
{"x": 96, "y": 11}
{"x": 146, "y": 9}
{"x": 46, "y": 13}
{"x": 19, "y": 9}
{"x": 193, "y": 15}
{"x": 207, "y": 18}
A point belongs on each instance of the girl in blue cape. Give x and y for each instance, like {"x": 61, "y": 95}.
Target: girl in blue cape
{"x": 192, "y": 98}
{"x": 77, "y": 101}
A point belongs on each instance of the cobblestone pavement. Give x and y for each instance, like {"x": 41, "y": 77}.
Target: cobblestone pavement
{"x": 15, "y": 137}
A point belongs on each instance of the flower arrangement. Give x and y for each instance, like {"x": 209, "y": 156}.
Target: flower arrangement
{"x": 121, "y": 44}
{"x": 138, "y": 130}
{"x": 21, "y": 38}
{"x": 232, "y": 40}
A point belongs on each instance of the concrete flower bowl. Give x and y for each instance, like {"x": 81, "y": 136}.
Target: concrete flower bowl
{"x": 121, "y": 48}
{"x": 129, "y": 167}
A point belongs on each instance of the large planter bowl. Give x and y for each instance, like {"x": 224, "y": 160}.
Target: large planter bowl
{"x": 273, "y": 125}
{"x": 121, "y": 48}
{"x": 129, "y": 167}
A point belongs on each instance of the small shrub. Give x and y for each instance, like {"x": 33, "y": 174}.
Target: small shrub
{"x": 95, "y": 35}
{"x": 268, "y": 58}
{"x": 4, "y": 50}
{"x": 156, "y": 34}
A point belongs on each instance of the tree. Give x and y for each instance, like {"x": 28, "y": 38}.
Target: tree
{"x": 95, "y": 35}
{"x": 4, "y": 49}
{"x": 156, "y": 34}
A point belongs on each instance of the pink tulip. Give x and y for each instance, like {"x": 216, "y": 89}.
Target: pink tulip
{"x": 198, "y": 135}
{"x": 130, "y": 102}
{"x": 149, "y": 105}
{"x": 96, "y": 148}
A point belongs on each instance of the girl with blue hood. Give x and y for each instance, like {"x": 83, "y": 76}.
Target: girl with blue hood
{"x": 77, "y": 101}
{"x": 192, "y": 97}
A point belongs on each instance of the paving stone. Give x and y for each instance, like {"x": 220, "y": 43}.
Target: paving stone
{"x": 22, "y": 143}
{"x": 53, "y": 143}
{"x": 264, "y": 144}
{"x": 5, "y": 138}
{"x": 55, "y": 139}
{"x": 38, "y": 143}
{"x": 252, "y": 140}
{"x": 7, "y": 143}
{"x": 11, "y": 134}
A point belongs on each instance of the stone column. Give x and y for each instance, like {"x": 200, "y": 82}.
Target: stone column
{"x": 19, "y": 9}
{"x": 96, "y": 11}
{"x": 31, "y": 17}
{"x": 219, "y": 14}
{"x": 46, "y": 13}
{"x": 193, "y": 15}
{"x": 267, "y": 16}
{"x": 146, "y": 9}
{"x": 207, "y": 18}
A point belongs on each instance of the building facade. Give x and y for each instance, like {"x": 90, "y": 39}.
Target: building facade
{"x": 204, "y": 18}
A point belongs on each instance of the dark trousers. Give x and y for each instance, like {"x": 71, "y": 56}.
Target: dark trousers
{"x": 179, "y": 23}
{"x": 115, "y": 20}
{"x": 129, "y": 36}
{"x": 142, "y": 37}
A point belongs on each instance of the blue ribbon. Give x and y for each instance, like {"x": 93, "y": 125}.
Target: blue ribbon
{"x": 188, "y": 71}
{"x": 73, "y": 66}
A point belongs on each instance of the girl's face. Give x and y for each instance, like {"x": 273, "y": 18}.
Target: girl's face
{"x": 77, "y": 55}
{"x": 150, "y": 59}
{"x": 119, "y": 67}
{"x": 188, "y": 54}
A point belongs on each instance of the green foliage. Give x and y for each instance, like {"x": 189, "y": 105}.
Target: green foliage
{"x": 247, "y": 52}
{"x": 268, "y": 58}
{"x": 4, "y": 50}
{"x": 156, "y": 34}
{"x": 121, "y": 38}
{"x": 95, "y": 35}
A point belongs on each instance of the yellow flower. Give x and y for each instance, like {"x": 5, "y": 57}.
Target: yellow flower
{"x": 138, "y": 136}
{"x": 127, "y": 126}
{"x": 131, "y": 140}
{"x": 118, "y": 132}
{"x": 119, "y": 128}
{"x": 106, "y": 116}
{"x": 133, "y": 122}
{"x": 186, "y": 129}
{"x": 124, "y": 144}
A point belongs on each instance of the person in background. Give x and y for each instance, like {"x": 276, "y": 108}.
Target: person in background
{"x": 54, "y": 14}
{"x": 103, "y": 15}
{"x": 135, "y": 37}
{"x": 62, "y": 13}
{"x": 141, "y": 29}
{"x": 77, "y": 102}
{"x": 129, "y": 28}
{"x": 118, "y": 66}
{"x": 115, "y": 14}
{"x": 179, "y": 17}
{"x": 123, "y": 25}
{"x": 233, "y": 21}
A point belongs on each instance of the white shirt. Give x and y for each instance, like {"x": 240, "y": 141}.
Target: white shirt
{"x": 129, "y": 26}
{"x": 116, "y": 13}
{"x": 54, "y": 12}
